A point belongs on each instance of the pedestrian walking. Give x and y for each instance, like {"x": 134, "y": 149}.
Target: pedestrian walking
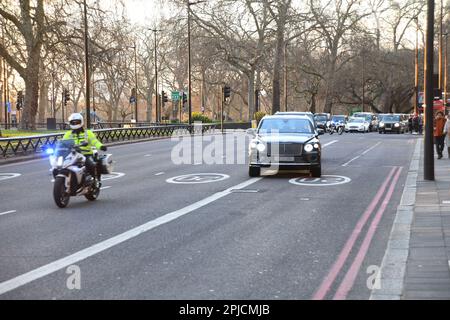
{"x": 410, "y": 124}
{"x": 447, "y": 136}
{"x": 420, "y": 121}
{"x": 439, "y": 135}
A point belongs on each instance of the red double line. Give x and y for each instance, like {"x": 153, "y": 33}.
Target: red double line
{"x": 350, "y": 276}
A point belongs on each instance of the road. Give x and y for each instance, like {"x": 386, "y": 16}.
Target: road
{"x": 237, "y": 238}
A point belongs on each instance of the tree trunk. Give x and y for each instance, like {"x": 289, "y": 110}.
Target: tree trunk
{"x": 312, "y": 107}
{"x": 251, "y": 94}
{"x": 43, "y": 101}
{"x": 31, "y": 96}
{"x": 276, "y": 80}
{"x": 329, "y": 95}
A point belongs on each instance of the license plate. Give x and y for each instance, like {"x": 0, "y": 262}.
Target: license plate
{"x": 388, "y": 129}
{"x": 290, "y": 159}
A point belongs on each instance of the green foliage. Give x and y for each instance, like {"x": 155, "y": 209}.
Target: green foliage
{"x": 258, "y": 116}
{"x": 198, "y": 116}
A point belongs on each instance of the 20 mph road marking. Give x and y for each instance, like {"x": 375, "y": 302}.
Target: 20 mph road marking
{"x": 111, "y": 242}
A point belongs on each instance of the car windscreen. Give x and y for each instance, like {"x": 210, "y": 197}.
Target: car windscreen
{"x": 285, "y": 126}
{"x": 321, "y": 118}
{"x": 357, "y": 120}
{"x": 391, "y": 118}
{"x": 336, "y": 119}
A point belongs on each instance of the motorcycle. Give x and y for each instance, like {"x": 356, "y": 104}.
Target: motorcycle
{"x": 338, "y": 127}
{"x": 71, "y": 178}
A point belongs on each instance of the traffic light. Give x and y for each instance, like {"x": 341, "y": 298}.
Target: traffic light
{"x": 66, "y": 96}
{"x": 133, "y": 95}
{"x": 184, "y": 97}
{"x": 226, "y": 92}
{"x": 164, "y": 97}
{"x": 19, "y": 102}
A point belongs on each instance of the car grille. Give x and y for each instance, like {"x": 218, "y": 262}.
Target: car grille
{"x": 286, "y": 149}
{"x": 388, "y": 125}
{"x": 354, "y": 127}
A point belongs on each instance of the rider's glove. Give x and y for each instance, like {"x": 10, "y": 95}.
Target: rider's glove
{"x": 103, "y": 148}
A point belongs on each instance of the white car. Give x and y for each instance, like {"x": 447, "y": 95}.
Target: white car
{"x": 357, "y": 124}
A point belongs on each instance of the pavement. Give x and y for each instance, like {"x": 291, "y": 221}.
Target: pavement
{"x": 283, "y": 236}
{"x": 416, "y": 265}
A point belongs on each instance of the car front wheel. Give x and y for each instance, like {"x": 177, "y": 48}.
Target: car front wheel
{"x": 316, "y": 171}
{"x": 254, "y": 171}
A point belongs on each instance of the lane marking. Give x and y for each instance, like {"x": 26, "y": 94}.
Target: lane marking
{"x": 52, "y": 267}
{"x": 343, "y": 255}
{"x": 8, "y": 212}
{"x": 159, "y": 173}
{"x": 330, "y": 143}
{"x": 6, "y": 176}
{"x": 148, "y": 155}
{"x": 324, "y": 180}
{"x": 350, "y": 276}
{"x": 196, "y": 178}
{"x": 114, "y": 175}
{"x": 106, "y": 187}
{"x": 359, "y": 156}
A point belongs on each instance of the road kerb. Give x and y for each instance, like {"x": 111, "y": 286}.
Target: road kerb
{"x": 397, "y": 250}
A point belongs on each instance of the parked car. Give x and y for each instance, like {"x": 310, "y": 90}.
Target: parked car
{"x": 392, "y": 123}
{"x": 285, "y": 141}
{"x": 369, "y": 117}
{"x": 357, "y": 124}
{"x": 322, "y": 120}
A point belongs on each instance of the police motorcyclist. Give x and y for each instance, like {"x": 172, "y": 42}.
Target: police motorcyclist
{"x": 82, "y": 136}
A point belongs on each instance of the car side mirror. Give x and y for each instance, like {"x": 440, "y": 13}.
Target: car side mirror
{"x": 251, "y": 132}
{"x": 320, "y": 132}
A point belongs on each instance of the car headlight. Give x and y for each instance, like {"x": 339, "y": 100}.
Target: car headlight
{"x": 258, "y": 146}
{"x": 397, "y": 125}
{"x": 316, "y": 146}
{"x": 309, "y": 148}
{"x": 381, "y": 124}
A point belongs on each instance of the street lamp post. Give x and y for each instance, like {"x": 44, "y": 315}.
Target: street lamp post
{"x": 158, "y": 110}
{"x": 429, "y": 96}
{"x": 189, "y": 4}
{"x": 87, "y": 76}
{"x": 445, "y": 69}
{"x": 285, "y": 77}
{"x": 135, "y": 82}
{"x": 363, "y": 81}
{"x": 440, "y": 46}
{"x": 416, "y": 70}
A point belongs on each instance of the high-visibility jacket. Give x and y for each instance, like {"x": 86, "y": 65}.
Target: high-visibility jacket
{"x": 82, "y": 136}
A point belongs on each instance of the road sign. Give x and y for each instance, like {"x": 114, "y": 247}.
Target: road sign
{"x": 175, "y": 95}
{"x": 196, "y": 178}
{"x": 325, "y": 180}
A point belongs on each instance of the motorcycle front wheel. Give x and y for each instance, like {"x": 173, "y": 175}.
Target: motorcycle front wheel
{"x": 60, "y": 195}
{"x": 341, "y": 131}
{"x": 92, "y": 195}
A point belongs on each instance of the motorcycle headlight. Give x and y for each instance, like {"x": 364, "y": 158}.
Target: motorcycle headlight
{"x": 309, "y": 148}
{"x": 397, "y": 125}
{"x": 59, "y": 161}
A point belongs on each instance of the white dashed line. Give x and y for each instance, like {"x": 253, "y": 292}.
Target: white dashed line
{"x": 7, "y": 212}
{"x": 359, "y": 156}
{"x": 159, "y": 173}
{"x": 54, "y": 266}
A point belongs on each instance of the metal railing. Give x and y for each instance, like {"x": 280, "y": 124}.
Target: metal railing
{"x": 35, "y": 144}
